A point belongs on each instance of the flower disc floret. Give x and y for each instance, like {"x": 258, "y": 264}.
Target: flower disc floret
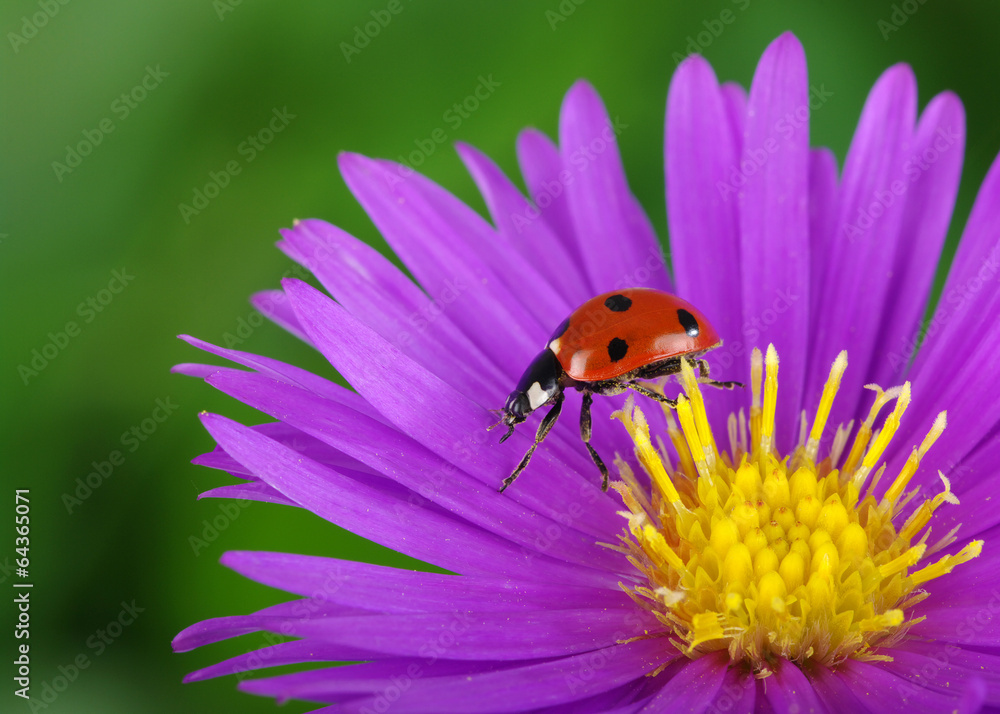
{"x": 780, "y": 557}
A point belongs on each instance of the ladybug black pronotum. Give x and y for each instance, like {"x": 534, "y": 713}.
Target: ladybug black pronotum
{"x": 607, "y": 346}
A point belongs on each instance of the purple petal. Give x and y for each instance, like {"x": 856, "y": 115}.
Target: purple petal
{"x": 823, "y": 197}
{"x": 734, "y": 97}
{"x": 881, "y": 691}
{"x": 932, "y": 171}
{"x": 273, "y": 305}
{"x": 517, "y": 222}
{"x": 350, "y": 683}
{"x": 217, "y": 629}
{"x": 409, "y": 464}
{"x": 623, "y": 700}
{"x": 952, "y": 624}
{"x": 964, "y": 606}
{"x": 836, "y": 693}
{"x": 249, "y": 492}
{"x": 864, "y": 249}
{"x": 273, "y": 656}
{"x": 975, "y": 696}
{"x": 380, "y": 295}
{"x": 287, "y": 373}
{"x": 738, "y": 692}
{"x": 616, "y": 239}
{"x": 437, "y": 416}
{"x": 423, "y": 690}
{"x": 703, "y": 216}
{"x": 429, "y": 534}
{"x": 774, "y": 219}
{"x": 694, "y": 688}
{"x": 974, "y": 481}
{"x": 452, "y": 251}
{"x": 547, "y": 179}
{"x": 946, "y": 667}
{"x": 289, "y": 436}
{"x": 790, "y": 692}
{"x": 497, "y": 636}
{"x": 962, "y": 342}
{"x": 390, "y": 590}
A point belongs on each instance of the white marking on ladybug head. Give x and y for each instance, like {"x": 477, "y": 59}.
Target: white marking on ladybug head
{"x": 537, "y": 396}
{"x": 554, "y": 345}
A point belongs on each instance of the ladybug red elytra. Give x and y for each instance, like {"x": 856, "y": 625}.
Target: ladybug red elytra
{"x": 604, "y": 347}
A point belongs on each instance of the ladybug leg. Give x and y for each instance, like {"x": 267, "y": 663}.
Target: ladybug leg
{"x": 647, "y": 392}
{"x": 585, "y": 429}
{"x": 543, "y": 430}
{"x": 703, "y": 377}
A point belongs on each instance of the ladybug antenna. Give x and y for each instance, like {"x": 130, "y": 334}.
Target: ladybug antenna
{"x": 505, "y": 420}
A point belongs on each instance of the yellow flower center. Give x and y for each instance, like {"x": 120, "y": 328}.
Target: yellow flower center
{"x": 779, "y": 557}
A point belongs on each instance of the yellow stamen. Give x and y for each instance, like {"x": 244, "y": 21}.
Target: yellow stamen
{"x": 825, "y": 402}
{"x": 898, "y": 565}
{"x": 690, "y": 384}
{"x": 756, "y": 376}
{"x": 865, "y": 430}
{"x": 635, "y": 421}
{"x": 677, "y": 439}
{"x": 947, "y": 563}
{"x": 922, "y": 515}
{"x": 884, "y": 436}
{"x": 910, "y": 468}
{"x": 770, "y": 403}
{"x": 767, "y": 560}
{"x": 693, "y": 437}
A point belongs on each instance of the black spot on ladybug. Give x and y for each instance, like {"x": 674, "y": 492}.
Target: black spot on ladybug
{"x": 559, "y": 331}
{"x": 688, "y": 322}
{"x": 618, "y": 303}
{"x": 617, "y": 348}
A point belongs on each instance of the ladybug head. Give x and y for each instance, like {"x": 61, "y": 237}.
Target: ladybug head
{"x": 537, "y": 387}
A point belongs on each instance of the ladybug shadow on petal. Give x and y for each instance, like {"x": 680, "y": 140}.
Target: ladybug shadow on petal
{"x": 607, "y": 346}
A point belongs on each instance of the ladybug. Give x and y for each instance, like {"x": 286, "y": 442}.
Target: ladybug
{"x": 605, "y": 347}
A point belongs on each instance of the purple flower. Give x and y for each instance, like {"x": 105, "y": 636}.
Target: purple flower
{"x": 764, "y": 559}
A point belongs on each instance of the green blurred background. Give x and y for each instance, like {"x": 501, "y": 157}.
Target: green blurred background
{"x": 215, "y": 72}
